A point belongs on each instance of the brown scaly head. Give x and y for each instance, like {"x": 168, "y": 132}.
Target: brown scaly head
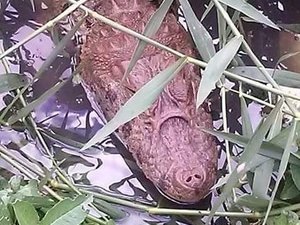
{"x": 166, "y": 140}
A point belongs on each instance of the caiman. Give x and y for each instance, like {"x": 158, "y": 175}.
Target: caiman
{"x": 166, "y": 141}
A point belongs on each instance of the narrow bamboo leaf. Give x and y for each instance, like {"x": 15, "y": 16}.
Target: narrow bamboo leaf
{"x": 5, "y": 218}
{"x": 222, "y": 28}
{"x": 221, "y": 182}
{"x": 12, "y": 81}
{"x": 66, "y": 212}
{"x": 249, "y": 10}
{"x": 286, "y": 56}
{"x": 70, "y": 143}
{"x": 294, "y": 27}
{"x": 200, "y": 35}
{"x": 31, "y": 106}
{"x": 227, "y": 189}
{"x": 289, "y": 190}
{"x": 246, "y": 121}
{"x": 262, "y": 179}
{"x": 245, "y": 162}
{"x": 109, "y": 209}
{"x": 267, "y": 149}
{"x": 39, "y": 201}
{"x": 282, "y": 167}
{"x": 25, "y": 213}
{"x": 255, "y": 142}
{"x": 139, "y": 102}
{"x": 256, "y": 203}
{"x": 216, "y": 67}
{"x": 280, "y": 139}
{"x": 295, "y": 171}
{"x": 276, "y": 127}
{"x": 207, "y": 10}
{"x": 150, "y": 30}
{"x": 282, "y": 77}
{"x": 30, "y": 189}
{"x": 32, "y": 5}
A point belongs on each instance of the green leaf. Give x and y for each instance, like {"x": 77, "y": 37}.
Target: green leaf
{"x": 25, "y": 213}
{"x": 262, "y": 178}
{"x": 215, "y": 68}
{"x": 289, "y": 190}
{"x": 281, "y": 138}
{"x": 3, "y": 183}
{"x": 282, "y": 167}
{"x": 276, "y": 127}
{"x": 245, "y": 162}
{"x": 139, "y": 102}
{"x": 30, "y": 189}
{"x": 294, "y": 27}
{"x": 39, "y": 201}
{"x": 267, "y": 149}
{"x": 5, "y": 218}
{"x": 32, "y": 105}
{"x": 200, "y": 35}
{"x": 150, "y": 29}
{"x": 207, "y": 10}
{"x": 285, "y": 218}
{"x": 249, "y": 10}
{"x": 256, "y": 203}
{"x": 66, "y": 212}
{"x": 12, "y": 81}
{"x": 282, "y": 77}
{"x": 68, "y": 142}
{"x": 15, "y": 182}
{"x": 109, "y": 209}
{"x": 295, "y": 171}
{"x": 246, "y": 121}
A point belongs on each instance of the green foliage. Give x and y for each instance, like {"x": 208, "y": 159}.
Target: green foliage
{"x": 66, "y": 212}
{"x": 31, "y": 207}
{"x": 285, "y": 218}
{"x": 12, "y": 81}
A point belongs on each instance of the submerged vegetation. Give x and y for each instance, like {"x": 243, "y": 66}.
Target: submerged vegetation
{"x": 261, "y": 185}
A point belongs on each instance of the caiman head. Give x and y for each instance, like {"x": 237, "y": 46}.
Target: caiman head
{"x": 167, "y": 140}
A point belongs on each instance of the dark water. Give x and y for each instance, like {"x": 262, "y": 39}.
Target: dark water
{"x": 70, "y": 114}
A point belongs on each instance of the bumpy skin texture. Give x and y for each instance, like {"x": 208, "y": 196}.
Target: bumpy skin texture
{"x": 166, "y": 140}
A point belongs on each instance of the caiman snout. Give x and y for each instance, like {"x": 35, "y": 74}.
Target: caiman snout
{"x": 185, "y": 169}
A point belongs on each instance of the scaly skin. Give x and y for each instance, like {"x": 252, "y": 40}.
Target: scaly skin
{"x": 166, "y": 140}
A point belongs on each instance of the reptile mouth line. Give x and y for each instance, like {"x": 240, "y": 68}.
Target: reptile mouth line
{"x": 176, "y": 200}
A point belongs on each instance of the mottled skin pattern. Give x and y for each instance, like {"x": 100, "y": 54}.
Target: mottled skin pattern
{"x": 166, "y": 140}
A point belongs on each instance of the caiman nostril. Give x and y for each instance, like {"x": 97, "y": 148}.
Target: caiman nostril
{"x": 189, "y": 179}
{"x": 197, "y": 176}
